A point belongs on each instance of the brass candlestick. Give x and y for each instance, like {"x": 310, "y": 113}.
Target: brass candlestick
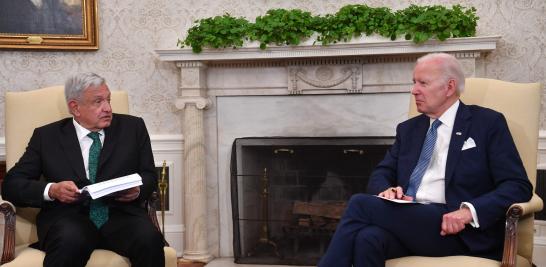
{"x": 163, "y": 184}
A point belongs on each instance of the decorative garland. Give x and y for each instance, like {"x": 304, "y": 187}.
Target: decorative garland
{"x": 290, "y": 27}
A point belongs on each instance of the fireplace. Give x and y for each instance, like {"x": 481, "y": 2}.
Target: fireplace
{"x": 288, "y": 194}
{"x": 302, "y": 91}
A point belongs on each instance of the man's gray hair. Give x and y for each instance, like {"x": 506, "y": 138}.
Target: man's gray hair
{"x": 76, "y": 84}
{"x": 451, "y": 68}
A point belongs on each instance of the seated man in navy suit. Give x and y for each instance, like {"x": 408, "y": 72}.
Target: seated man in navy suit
{"x": 93, "y": 145}
{"x": 460, "y": 159}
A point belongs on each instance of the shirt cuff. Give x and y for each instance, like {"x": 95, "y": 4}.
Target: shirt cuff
{"x": 474, "y": 221}
{"x": 46, "y": 193}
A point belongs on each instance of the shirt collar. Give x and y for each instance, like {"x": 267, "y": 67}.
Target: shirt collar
{"x": 82, "y": 132}
{"x": 448, "y": 118}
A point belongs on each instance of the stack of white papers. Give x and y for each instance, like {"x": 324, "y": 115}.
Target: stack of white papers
{"x": 107, "y": 187}
{"x": 402, "y": 201}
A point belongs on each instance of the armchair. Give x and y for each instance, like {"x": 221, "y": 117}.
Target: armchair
{"x": 520, "y": 104}
{"x": 25, "y": 111}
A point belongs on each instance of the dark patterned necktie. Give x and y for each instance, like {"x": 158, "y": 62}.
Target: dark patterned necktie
{"x": 98, "y": 212}
{"x": 424, "y": 159}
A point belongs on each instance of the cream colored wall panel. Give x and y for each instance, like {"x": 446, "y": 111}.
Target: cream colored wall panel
{"x": 131, "y": 30}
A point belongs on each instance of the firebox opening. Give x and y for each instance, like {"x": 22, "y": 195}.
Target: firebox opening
{"x": 289, "y": 193}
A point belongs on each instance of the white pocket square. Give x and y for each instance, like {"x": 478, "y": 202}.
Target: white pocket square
{"x": 469, "y": 143}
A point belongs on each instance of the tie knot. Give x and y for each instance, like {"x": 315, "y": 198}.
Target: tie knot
{"x": 94, "y": 136}
{"x": 435, "y": 124}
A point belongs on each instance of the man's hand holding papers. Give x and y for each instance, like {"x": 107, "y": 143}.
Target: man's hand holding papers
{"x": 128, "y": 194}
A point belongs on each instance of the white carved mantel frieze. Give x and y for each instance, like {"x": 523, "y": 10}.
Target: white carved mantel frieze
{"x": 320, "y": 77}
{"x": 383, "y": 48}
{"x": 352, "y": 68}
{"x": 334, "y": 69}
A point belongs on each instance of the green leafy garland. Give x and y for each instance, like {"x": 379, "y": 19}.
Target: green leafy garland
{"x": 281, "y": 26}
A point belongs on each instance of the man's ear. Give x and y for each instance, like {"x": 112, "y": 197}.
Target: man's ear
{"x": 451, "y": 87}
{"x": 73, "y": 107}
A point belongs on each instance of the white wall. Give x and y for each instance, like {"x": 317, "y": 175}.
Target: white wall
{"x": 130, "y": 30}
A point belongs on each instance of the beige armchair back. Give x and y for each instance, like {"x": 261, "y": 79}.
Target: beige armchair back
{"x": 520, "y": 104}
{"x": 40, "y": 107}
{"x": 24, "y": 111}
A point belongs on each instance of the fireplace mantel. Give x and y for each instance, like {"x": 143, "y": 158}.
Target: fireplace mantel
{"x": 373, "y": 47}
{"x": 346, "y": 89}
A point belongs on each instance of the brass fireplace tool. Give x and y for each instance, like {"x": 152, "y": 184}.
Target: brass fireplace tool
{"x": 163, "y": 184}
{"x": 264, "y": 242}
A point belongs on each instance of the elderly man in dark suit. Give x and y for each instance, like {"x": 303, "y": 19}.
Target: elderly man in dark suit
{"x": 92, "y": 146}
{"x": 460, "y": 159}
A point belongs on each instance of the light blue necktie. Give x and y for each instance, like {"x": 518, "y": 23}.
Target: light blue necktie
{"x": 98, "y": 212}
{"x": 424, "y": 159}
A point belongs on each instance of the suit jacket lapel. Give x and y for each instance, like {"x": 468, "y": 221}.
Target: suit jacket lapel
{"x": 69, "y": 142}
{"x": 110, "y": 139}
{"x": 458, "y": 136}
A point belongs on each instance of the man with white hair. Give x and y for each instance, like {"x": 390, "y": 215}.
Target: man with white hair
{"x": 460, "y": 159}
{"x": 93, "y": 146}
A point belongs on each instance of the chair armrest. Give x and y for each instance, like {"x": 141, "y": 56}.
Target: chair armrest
{"x": 534, "y": 205}
{"x": 152, "y": 212}
{"x": 515, "y": 212}
{"x": 8, "y": 210}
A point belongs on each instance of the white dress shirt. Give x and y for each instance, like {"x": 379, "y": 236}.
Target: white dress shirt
{"x": 85, "y": 144}
{"x": 432, "y": 188}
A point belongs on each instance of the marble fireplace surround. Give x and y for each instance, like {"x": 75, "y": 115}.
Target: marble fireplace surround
{"x": 352, "y": 89}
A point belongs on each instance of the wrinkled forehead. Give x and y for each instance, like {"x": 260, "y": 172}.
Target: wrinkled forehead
{"x": 95, "y": 93}
{"x": 427, "y": 69}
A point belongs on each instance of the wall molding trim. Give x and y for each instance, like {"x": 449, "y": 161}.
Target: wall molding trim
{"x": 539, "y": 239}
{"x": 175, "y": 144}
{"x": 161, "y": 143}
{"x": 541, "y": 159}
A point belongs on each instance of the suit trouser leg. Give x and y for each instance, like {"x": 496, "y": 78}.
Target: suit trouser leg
{"x": 69, "y": 242}
{"x": 374, "y": 240}
{"x": 134, "y": 237}
{"x": 415, "y": 226}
